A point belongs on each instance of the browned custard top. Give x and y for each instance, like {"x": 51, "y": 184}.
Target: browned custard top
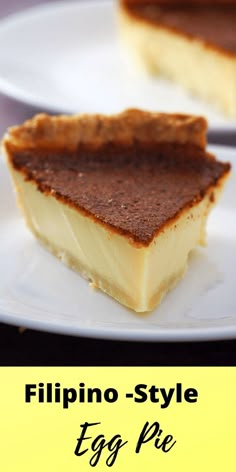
{"x": 214, "y": 24}
{"x": 134, "y": 191}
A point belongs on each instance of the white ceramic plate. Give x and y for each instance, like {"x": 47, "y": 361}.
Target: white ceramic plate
{"x": 66, "y": 57}
{"x": 37, "y": 291}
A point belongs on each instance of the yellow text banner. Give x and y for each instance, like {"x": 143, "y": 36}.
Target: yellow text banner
{"x": 121, "y": 419}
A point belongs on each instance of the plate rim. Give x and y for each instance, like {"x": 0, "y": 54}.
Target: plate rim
{"x": 131, "y": 335}
{"x": 13, "y": 91}
{"x": 197, "y": 335}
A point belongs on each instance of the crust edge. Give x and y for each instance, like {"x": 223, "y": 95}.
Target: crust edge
{"x": 94, "y": 131}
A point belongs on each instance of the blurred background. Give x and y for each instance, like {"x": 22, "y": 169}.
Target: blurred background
{"x": 117, "y": 95}
{"x": 14, "y": 6}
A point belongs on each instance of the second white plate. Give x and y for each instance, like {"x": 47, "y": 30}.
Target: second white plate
{"x": 66, "y": 57}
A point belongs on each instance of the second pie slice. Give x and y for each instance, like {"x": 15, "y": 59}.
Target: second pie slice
{"x": 121, "y": 199}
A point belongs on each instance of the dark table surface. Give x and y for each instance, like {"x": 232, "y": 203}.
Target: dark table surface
{"x": 29, "y": 347}
{"x": 33, "y": 348}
